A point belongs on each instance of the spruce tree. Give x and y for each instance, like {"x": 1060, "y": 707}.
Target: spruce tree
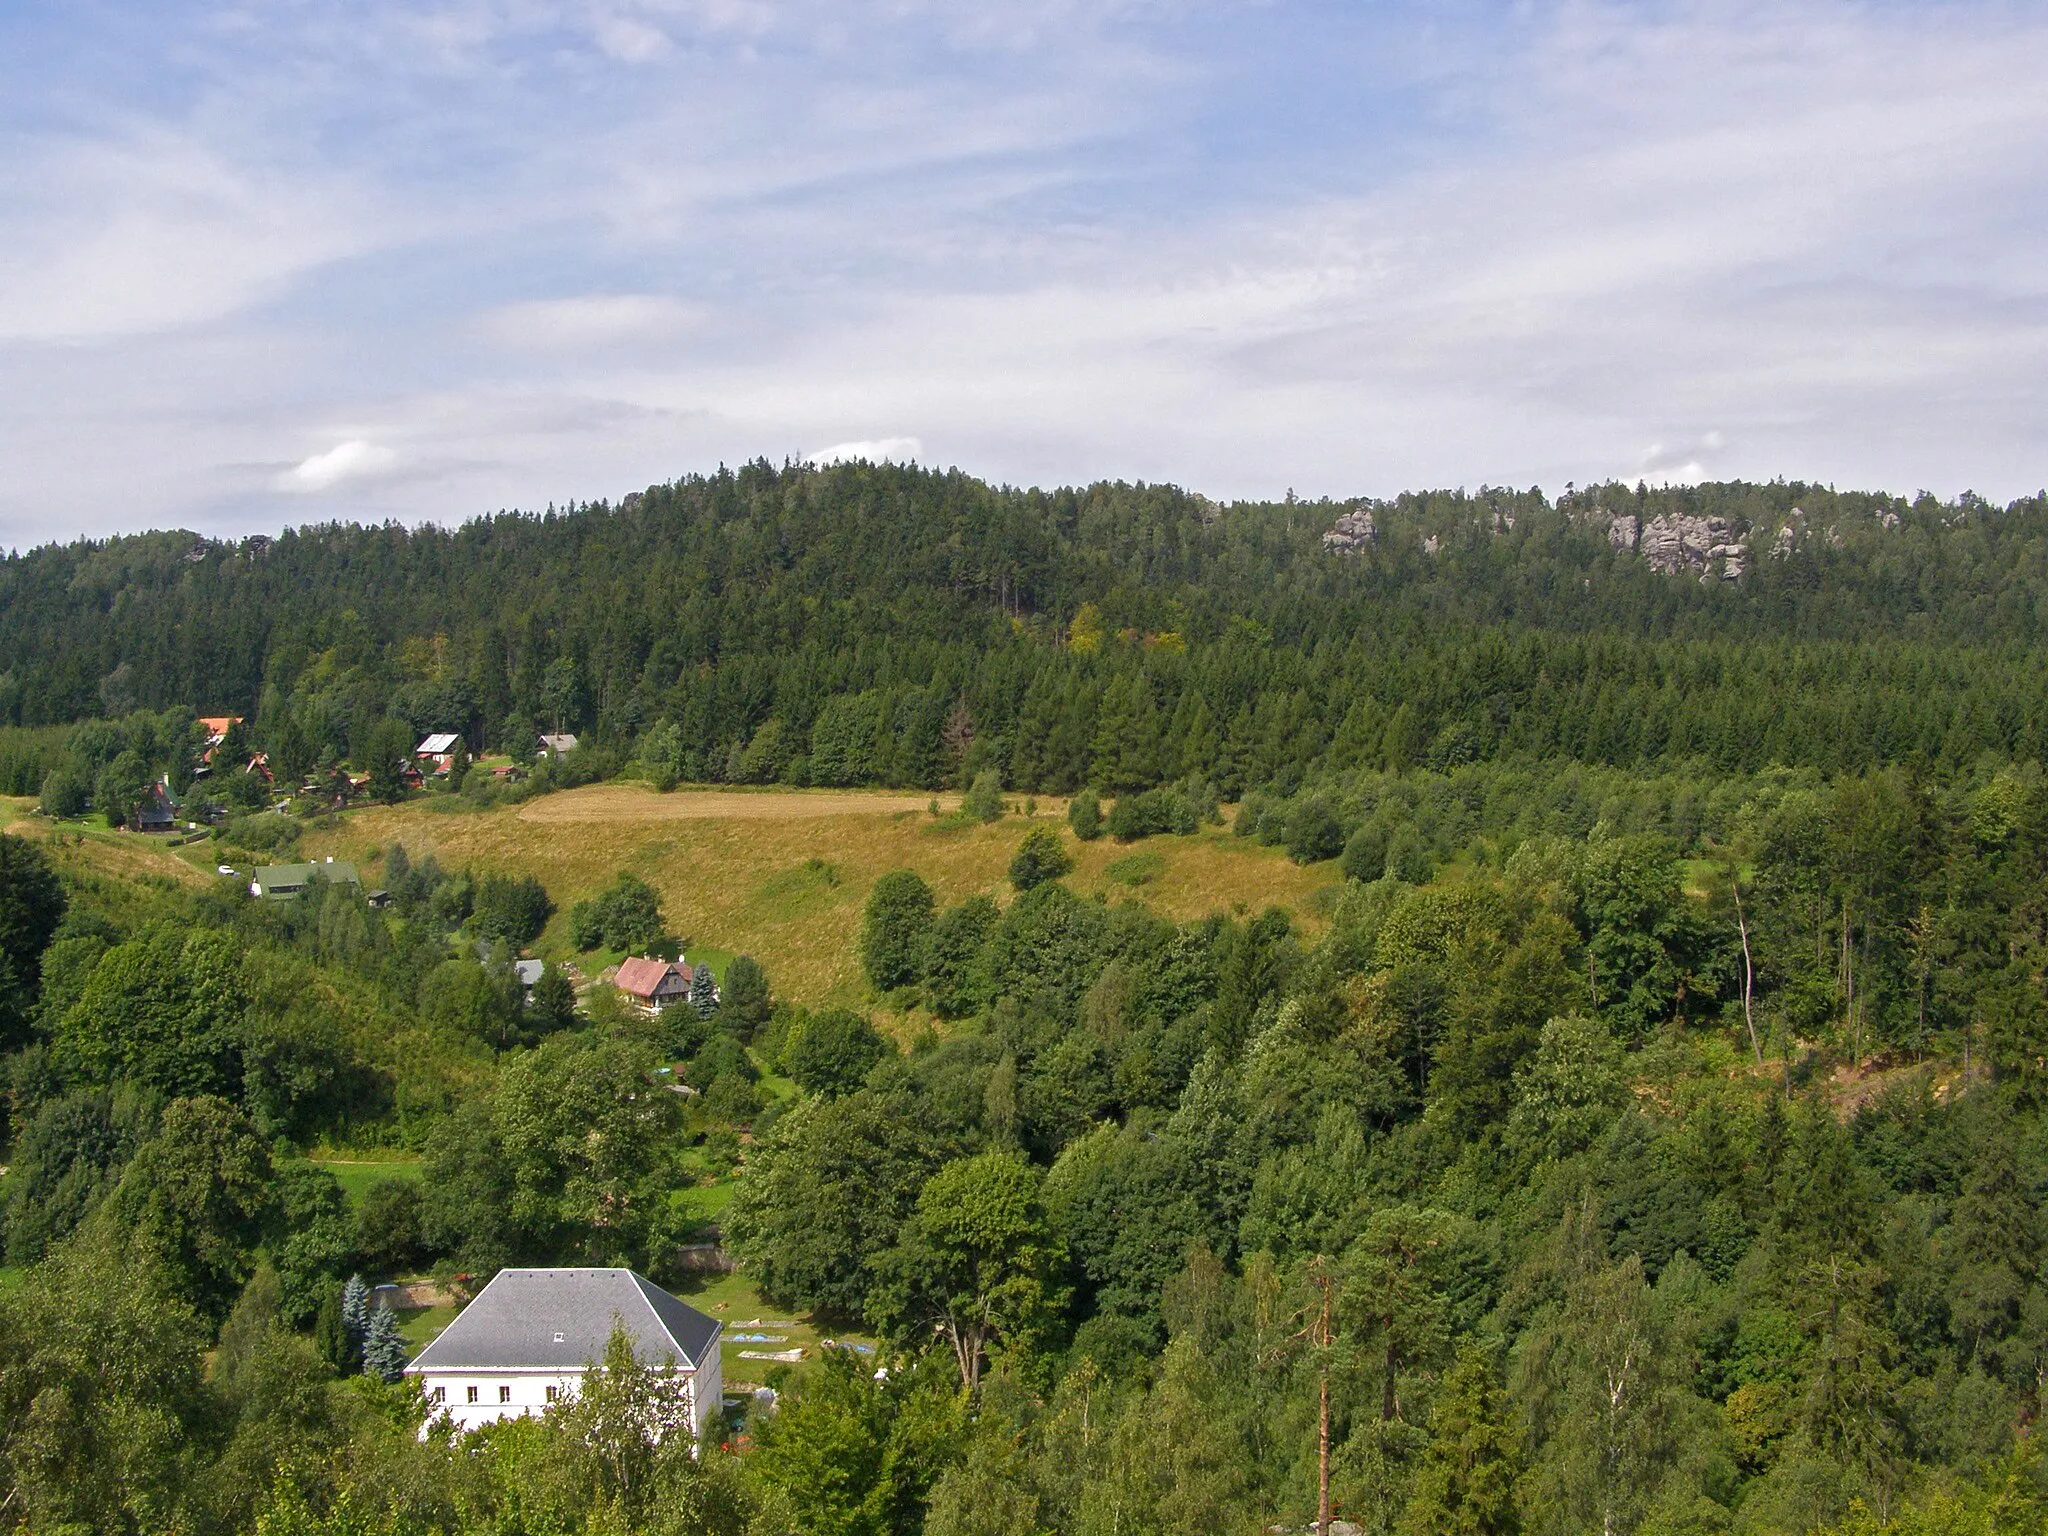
{"x": 384, "y": 1351}
{"x": 703, "y": 991}
{"x": 355, "y": 1315}
{"x": 1466, "y": 1483}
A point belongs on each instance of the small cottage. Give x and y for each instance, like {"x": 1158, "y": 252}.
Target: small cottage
{"x": 531, "y": 1334}
{"x": 155, "y": 812}
{"x": 556, "y": 744}
{"x": 444, "y": 752}
{"x": 284, "y": 882}
{"x": 653, "y": 983}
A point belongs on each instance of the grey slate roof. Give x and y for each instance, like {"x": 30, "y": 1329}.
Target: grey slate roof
{"x": 562, "y": 1318}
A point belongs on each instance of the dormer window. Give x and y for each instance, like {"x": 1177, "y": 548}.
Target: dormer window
{"x": 558, "y": 1338}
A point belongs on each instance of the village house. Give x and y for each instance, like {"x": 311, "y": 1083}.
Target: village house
{"x": 531, "y": 1334}
{"x": 444, "y": 751}
{"x": 653, "y": 983}
{"x": 156, "y": 812}
{"x": 556, "y": 744}
{"x": 216, "y": 732}
{"x": 284, "y": 882}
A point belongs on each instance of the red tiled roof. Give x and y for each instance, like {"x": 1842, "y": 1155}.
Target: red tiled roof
{"x": 640, "y": 975}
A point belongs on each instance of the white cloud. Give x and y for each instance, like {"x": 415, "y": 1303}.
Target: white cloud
{"x": 344, "y": 462}
{"x": 588, "y": 320}
{"x": 1763, "y": 238}
{"x": 881, "y": 450}
{"x": 158, "y": 230}
{"x": 630, "y": 41}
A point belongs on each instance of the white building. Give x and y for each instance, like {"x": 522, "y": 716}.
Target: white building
{"x": 529, "y": 1336}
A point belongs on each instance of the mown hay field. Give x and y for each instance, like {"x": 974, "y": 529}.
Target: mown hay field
{"x": 782, "y": 874}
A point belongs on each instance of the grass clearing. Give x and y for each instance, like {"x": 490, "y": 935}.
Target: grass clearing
{"x": 734, "y": 1301}
{"x": 11, "y": 1277}
{"x": 782, "y": 874}
{"x": 357, "y": 1175}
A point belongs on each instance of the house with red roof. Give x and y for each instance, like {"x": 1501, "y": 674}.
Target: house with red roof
{"x": 653, "y": 983}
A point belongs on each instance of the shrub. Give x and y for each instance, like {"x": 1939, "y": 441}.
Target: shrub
{"x": 832, "y": 1052}
{"x": 1314, "y": 833}
{"x": 1365, "y": 854}
{"x": 626, "y": 917}
{"x": 64, "y": 793}
{"x": 893, "y": 928}
{"x": 1084, "y": 815}
{"x": 1040, "y": 857}
{"x": 1155, "y": 811}
{"x": 514, "y": 910}
{"x": 984, "y": 800}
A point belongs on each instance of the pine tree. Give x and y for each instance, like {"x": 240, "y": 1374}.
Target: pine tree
{"x": 384, "y": 1351}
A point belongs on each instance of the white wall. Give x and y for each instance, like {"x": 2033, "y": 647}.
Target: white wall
{"x": 529, "y": 1393}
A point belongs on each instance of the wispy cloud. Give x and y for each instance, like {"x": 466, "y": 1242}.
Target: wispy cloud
{"x": 352, "y": 460}
{"x": 881, "y": 450}
{"x": 539, "y": 250}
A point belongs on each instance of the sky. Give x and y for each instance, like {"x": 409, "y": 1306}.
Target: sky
{"x": 270, "y": 264}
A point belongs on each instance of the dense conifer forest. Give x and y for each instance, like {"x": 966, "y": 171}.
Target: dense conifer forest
{"x": 1646, "y": 1135}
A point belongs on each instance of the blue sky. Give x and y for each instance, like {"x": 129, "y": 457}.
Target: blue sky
{"x": 294, "y": 261}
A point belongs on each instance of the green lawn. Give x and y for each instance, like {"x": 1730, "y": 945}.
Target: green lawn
{"x": 10, "y": 1278}
{"x": 357, "y": 1174}
{"x": 733, "y": 1300}
{"x": 423, "y": 1325}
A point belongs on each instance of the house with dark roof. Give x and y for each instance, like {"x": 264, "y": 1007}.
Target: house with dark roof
{"x": 531, "y": 1334}
{"x": 156, "y": 812}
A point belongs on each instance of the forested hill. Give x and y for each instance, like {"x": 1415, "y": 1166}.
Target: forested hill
{"x": 868, "y": 624}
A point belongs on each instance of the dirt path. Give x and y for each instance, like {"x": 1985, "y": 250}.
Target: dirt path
{"x": 631, "y": 802}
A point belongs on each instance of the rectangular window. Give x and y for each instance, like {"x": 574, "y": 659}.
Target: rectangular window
{"x": 551, "y": 1394}
{"x": 504, "y": 1394}
{"x": 440, "y": 1394}
{"x": 472, "y": 1394}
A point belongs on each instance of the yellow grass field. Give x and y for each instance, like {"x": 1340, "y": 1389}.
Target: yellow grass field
{"x": 782, "y": 874}
{"x": 128, "y": 855}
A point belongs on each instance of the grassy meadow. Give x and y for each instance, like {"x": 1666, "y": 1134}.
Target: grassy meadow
{"x": 782, "y": 874}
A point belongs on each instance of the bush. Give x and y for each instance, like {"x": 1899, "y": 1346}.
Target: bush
{"x": 1084, "y": 815}
{"x": 1365, "y": 854}
{"x": 893, "y": 928}
{"x": 1408, "y": 857}
{"x": 1314, "y": 833}
{"x": 627, "y": 917}
{"x": 64, "y": 794}
{"x": 268, "y": 832}
{"x": 1155, "y": 811}
{"x": 984, "y": 800}
{"x": 388, "y": 1226}
{"x": 955, "y": 972}
{"x": 1040, "y": 857}
{"x": 832, "y": 1052}
{"x": 514, "y": 910}
{"x": 745, "y": 1002}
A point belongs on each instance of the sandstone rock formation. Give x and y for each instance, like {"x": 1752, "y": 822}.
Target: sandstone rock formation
{"x": 1351, "y": 533}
